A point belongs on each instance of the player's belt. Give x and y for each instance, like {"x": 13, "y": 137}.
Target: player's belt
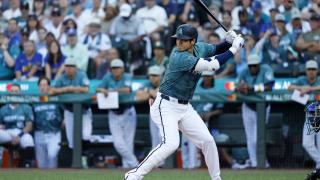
{"x": 168, "y": 98}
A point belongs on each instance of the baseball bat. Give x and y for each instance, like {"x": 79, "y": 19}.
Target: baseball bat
{"x": 204, "y": 7}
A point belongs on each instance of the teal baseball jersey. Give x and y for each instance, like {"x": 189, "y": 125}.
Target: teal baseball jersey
{"x": 264, "y": 76}
{"x": 180, "y": 79}
{"x": 303, "y": 81}
{"x": 47, "y": 117}
{"x": 15, "y": 117}
{"x": 80, "y": 79}
{"x": 108, "y": 82}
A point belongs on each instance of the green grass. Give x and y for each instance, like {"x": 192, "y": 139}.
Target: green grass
{"x": 71, "y": 174}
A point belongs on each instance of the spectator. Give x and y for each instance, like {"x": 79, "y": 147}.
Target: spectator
{"x": 14, "y": 38}
{"x": 54, "y": 23}
{"x": 160, "y": 59}
{"x": 171, "y": 11}
{"x": 78, "y": 16}
{"x": 97, "y": 44}
{"x": 16, "y": 121}
{"x": 54, "y": 61}
{"x": 122, "y": 121}
{"x": 226, "y": 20}
{"x": 47, "y": 134}
{"x": 287, "y": 9}
{"x": 245, "y": 5}
{"x": 22, "y": 20}
{"x": 128, "y": 39}
{"x": 32, "y": 27}
{"x": 244, "y": 24}
{"x": 228, "y": 5}
{"x": 39, "y": 7}
{"x": 184, "y": 7}
{"x": 149, "y": 93}
{"x": 297, "y": 25}
{"x": 111, "y": 13}
{"x": 307, "y": 84}
{"x": 29, "y": 63}
{"x": 66, "y": 25}
{"x": 105, "y": 68}
{"x": 76, "y": 50}
{"x": 260, "y": 20}
{"x": 216, "y": 11}
{"x": 14, "y": 10}
{"x": 41, "y": 45}
{"x": 6, "y": 60}
{"x": 154, "y": 19}
{"x": 308, "y": 43}
{"x": 253, "y": 79}
{"x": 74, "y": 81}
{"x": 96, "y": 12}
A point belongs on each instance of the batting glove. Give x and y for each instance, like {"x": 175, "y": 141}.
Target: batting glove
{"x": 237, "y": 44}
{"x": 230, "y": 36}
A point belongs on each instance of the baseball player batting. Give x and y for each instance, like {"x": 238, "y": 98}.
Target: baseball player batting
{"x": 171, "y": 110}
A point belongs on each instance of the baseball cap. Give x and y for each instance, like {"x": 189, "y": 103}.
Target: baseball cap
{"x": 72, "y": 32}
{"x": 311, "y": 64}
{"x": 207, "y": 73}
{"x": 56, "y": 11}
{"x": 186, "y": 32}
{"x": 24, "y": 5}
{"x": 280, "y": 17}
{"x": 253, "y": 59}
{"x": 158, "y": 45}
{"x": 155, "y": 70}
{"x": 274, "y": 10}
{"x": 125, "y": 10}
{"x": 75, "y": 2}
{"x": 95, "y": 22}
{"x": 256, "y": 5}
{"x": 117, "y": 63}
{"x": 70, "y": 61}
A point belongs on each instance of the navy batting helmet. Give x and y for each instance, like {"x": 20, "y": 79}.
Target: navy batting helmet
{"x": 186, "y": 32}
{"x": 313, "y": 117}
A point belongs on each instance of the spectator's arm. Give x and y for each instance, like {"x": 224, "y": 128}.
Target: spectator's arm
{"x": 186, "y": 10}
{"x": 124, "y": 90}
{"x": 60, "y": 71}
{"x": 34, "y": 69}
{"x": 73, "y": 89}
{"x": 142, "y": 95}
{"x": 47, "y": 70}
{"x": 8, "y": 58}
{"x": 18, "y": 74}
{"x": 226, "y": 71}
{"x": 102, "y": 90}
{"x": 301, "y": 44}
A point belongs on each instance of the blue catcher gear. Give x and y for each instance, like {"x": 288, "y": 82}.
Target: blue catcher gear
{"x": 313, "y": 117}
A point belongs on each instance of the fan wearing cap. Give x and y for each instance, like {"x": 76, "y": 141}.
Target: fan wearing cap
{"x": 255, "y": 78}
{"x": 171, "y": 110}
{"x": 54, "y": 24}
{"x": 97, "y": 43}
{"x": 160, "y": 59}
{"x": 71, "y": 81}
{"x": 122, "y": 121}
{"x": 132, "y": 36}
{"x": 76, "y": 50}
{"x": 77, "y": 15}
{"x": 308, "y": 43}
{"x": 25, "y": 9}
{"x": 297, "y": 25}
{"x": 308, "y": 84}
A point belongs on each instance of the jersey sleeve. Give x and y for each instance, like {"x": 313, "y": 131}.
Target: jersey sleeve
{"x": 299, "y": 81}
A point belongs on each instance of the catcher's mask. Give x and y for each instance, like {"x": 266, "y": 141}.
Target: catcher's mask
{"x": 313, "y": 117}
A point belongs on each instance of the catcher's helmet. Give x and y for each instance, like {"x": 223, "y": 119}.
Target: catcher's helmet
{"x": 313, "y": 117}
{"x": 186, "y": 32}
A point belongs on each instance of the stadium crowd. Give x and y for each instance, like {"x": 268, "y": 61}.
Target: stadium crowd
{"x": 52, "y": 40}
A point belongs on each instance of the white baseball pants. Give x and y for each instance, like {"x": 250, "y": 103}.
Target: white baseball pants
{"x": 170, "y": 117}
{"x": 47, "y": 148}
{"x": 86, "y": 126}
{"x": 123, "y": 129}
{"x": 155, "y": 136}
{"x": 190, "y": 154}
{"x": 6, "y": 136}
{"x": 311, "y": 144}
{"x": 249, "y": 117}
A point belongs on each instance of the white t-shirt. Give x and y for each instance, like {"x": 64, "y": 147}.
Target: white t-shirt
{"x": 152, "y": 18}
{"x": 101, "y": 42}
{"x": 10, "y": 13}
